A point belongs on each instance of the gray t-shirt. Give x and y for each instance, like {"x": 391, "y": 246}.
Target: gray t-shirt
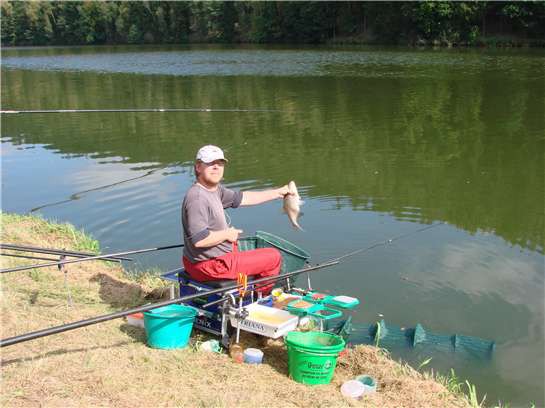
{"x": 202, "y": 212}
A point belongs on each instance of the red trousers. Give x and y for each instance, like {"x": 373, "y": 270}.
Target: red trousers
{"x": 260, "y": 263}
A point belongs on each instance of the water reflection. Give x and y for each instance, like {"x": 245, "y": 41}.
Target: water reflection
{"x": 378, "y": 144}
{"x": 465, "y": 150}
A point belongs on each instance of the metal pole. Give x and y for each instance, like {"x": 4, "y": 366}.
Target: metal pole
{"x": 29, "y": 257}
{"x": 99, "y": 319}
{"x": 51, "y": 251}
{"x": 90, "y": 258}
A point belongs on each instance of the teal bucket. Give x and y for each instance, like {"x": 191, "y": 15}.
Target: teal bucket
{"x": 169, "y": 327}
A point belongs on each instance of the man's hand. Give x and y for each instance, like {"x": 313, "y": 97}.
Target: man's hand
{"x": 283, "y": 191}
{"x": 232, "y": 234}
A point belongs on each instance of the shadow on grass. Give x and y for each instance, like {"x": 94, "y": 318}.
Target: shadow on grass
{"x": 274, "y": 351}
{"x": 276, "y": 356}
{"x": 122, "y": 294}
{"x": 137, "y": 333}
{"x": 5, "y": 363}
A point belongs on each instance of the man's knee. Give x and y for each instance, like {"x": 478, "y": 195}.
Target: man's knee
{"x": 276, "y": 256}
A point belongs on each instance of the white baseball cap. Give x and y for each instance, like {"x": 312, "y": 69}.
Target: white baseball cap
{"x": 210, "y": 153}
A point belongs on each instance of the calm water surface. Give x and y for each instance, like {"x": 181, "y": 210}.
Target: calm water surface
{"x": 380, "y": 141}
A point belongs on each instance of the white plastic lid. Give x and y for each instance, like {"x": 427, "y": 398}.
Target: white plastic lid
{"x": 352, "y": 389}
{"x": 344, "y": 299}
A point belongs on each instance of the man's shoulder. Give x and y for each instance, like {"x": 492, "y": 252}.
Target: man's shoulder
{"x": 196, "y": 192}
{"x": 192, "y": 193}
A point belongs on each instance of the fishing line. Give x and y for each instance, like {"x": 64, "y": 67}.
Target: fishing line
{"x": 77, "y": 196}
{"x": 386, "y": 242}
{"x": 136, "y": 110}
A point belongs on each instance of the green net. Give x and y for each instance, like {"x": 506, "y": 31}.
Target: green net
{"x": 391, "y": 337}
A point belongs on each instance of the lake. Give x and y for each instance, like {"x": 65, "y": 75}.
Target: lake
{"x": 381, "y": 142}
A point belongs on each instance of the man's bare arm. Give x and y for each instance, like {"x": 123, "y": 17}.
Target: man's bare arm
{"x": 217, "y": 237}
{"x": 259, "y": 197}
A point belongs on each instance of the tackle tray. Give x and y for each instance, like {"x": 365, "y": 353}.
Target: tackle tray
{"x": 266, "y": 321}
{"x": 302, "y": 307}
{"x": 344, "y": 302}
{"x": 317, "y": 297}
{"x": 325, "y": 313}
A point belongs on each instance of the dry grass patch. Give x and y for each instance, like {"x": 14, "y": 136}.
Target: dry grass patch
{"x": 109, "y": 364}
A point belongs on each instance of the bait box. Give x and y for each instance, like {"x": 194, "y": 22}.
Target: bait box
{"x": 325, "y": 313}
{"x": 302, "y": 311}
{"x": 344, "y": 302}
{"x": 265, "y": 321}
{"x": 317, "y": 297}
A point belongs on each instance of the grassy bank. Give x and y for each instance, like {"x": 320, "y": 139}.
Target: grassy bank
{"x": 109, "y": 364}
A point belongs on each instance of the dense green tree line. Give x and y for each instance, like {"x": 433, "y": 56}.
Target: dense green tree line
{"x": 94, "y": 22}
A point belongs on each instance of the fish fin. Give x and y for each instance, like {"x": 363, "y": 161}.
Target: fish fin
{"x": 297, "y": 226}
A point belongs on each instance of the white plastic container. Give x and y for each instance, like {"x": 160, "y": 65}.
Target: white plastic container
{"x": 353, "y": 389}
{"x": 266, "y": 321}
{"x": 368, "y": 382}
{"x": 253, "y": 356}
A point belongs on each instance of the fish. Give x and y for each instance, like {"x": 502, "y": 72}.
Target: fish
{"x": 292, "y": 204}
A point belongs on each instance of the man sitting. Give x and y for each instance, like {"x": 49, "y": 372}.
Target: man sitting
{"x": 210, "y": 251}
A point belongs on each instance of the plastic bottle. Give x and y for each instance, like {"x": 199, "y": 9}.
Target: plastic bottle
{"x": 236, "y": 352}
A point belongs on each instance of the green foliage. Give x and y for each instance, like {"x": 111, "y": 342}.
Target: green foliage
{"x": 109, "y": 22}
{"x": 424, "y": 363}
{"x": 472, "y": 396}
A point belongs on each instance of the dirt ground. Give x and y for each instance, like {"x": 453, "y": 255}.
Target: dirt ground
{"x": 109, "y": 364}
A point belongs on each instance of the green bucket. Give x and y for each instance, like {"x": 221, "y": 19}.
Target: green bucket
{"x": 312, "y": 356}
{"x": 169, "y": 326}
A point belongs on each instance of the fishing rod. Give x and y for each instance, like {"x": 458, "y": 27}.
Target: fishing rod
{"x": 387, "y": 241}
{"x": 52, "y": 251}
{"x": 352, "y": 253}
{"x": 40, "y": 258}
{"x": 89, "y": 258}
{"x": 271, "y": 279}
{"x": 137, "y": 110}
{"x": 116, "y": 315}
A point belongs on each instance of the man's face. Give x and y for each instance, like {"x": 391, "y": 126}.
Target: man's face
{"x": 211, "y": 173}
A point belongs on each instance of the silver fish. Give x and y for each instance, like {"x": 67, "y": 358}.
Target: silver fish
{"x": 292, "y": 203}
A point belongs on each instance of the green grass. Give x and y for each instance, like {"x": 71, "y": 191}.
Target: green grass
{"x": 80, "y": 240}
{"x": 465, "y": 389}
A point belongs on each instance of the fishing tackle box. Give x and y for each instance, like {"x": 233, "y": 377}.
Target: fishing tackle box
{"x": 265, "y": 321}
{"x": 344, "y": 302}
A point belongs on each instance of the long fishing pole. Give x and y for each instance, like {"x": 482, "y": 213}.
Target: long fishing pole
{"x": 89, "y": 258}
{"x": 39, "y": 258}
{"x": 386, "y": 242}
{"x": 82, "y": 323}
{"x": 116, "y": 315}
{"x": 137, "y": 110}
{"x": 52, "y": 251}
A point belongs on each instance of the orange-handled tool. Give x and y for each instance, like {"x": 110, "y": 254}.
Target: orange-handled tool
{"x": 242, "y": 280}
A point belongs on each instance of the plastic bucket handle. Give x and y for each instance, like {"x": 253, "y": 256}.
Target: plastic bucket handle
{"x": 314, "y": 353}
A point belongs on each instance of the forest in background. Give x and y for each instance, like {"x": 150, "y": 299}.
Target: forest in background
{"x": 313, "y": 22}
